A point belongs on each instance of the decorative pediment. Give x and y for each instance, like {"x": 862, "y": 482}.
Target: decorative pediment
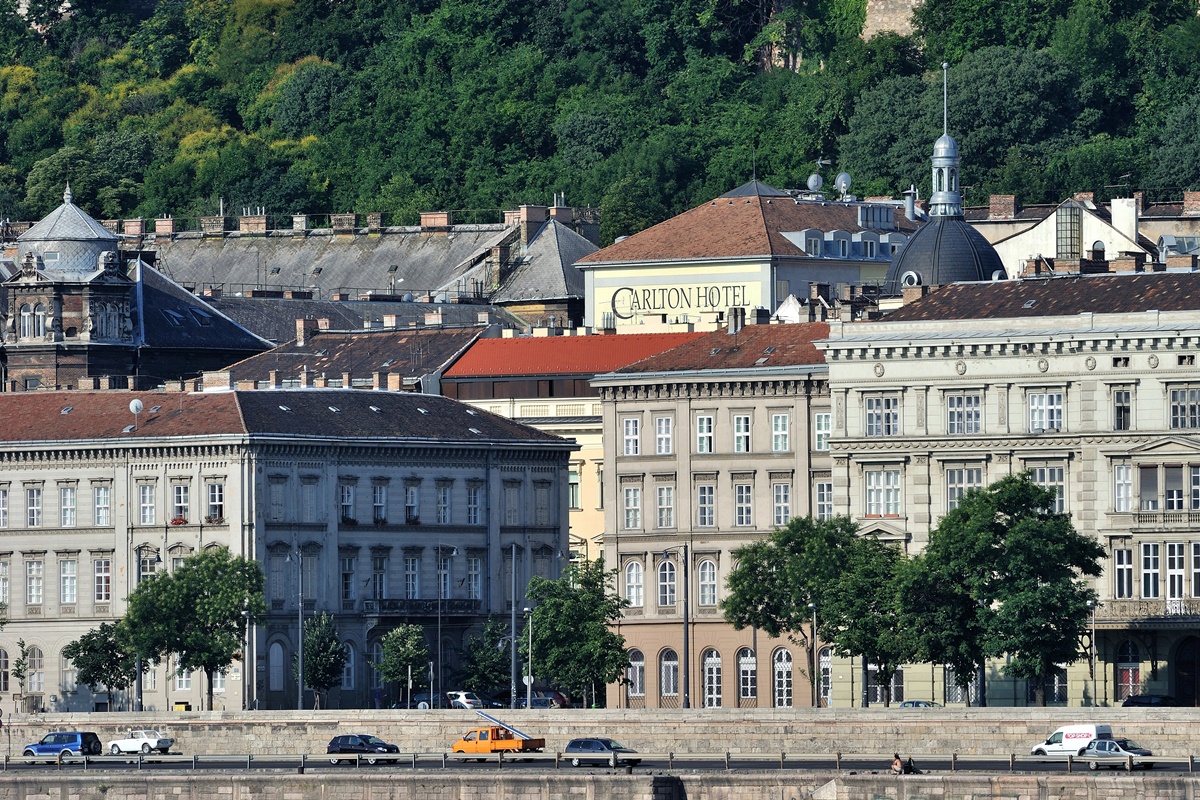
{"x": 1167, "y": 447}
{"x": 884, "y": 530}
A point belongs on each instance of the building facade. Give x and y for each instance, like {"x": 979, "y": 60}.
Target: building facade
{"x": 380, "y": 508}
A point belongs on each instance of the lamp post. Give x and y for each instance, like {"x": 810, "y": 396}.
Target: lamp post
{"x": 687, "y": 658}
{"x": 300, "y": 625}
{"x": 812, "y": 654}
{"x": 443, "y": 571}
{"x": 1092, "y": 604}
{"x": 529, "y": 660}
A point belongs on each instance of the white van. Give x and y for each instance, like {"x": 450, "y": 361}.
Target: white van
{"x": 1071, "y": 740}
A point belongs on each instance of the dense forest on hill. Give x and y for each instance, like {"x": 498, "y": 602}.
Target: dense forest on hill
{"x": 643, "y": 107}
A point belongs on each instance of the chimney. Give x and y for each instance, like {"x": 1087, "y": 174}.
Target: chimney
{"x": 433, "y": 318}
{"x": 274, "y": 379}
{"x": 306, "y": 377}
{"x": 910, "y": 203}
{"x": 1140, "y": 197}
{"x": 323, "y": 323}
{"x": 395, "y": 382}
{"x": 483, "y": 318}
{"x": 299, "y": 224}
{"x": 737, "y": 319}
{"x": 1124, "y": 213}
{"x": 911, "y": 293}
{"x": 758, "y": 316}
{"x": 435, "y": 220}
{"x": 1088, "y": 198}
{"x": 135, "y": 227}
{"x": 304, "y": 328}
{"x": 532, "y": 219}
{"x": 391, "y": 321}
{"x": 379, "y": 380}
{"x": 164, "y": 225}
{"x": 561, "y": 211}
{"x": 1002, "y": 206}
{"x": 1191, "y": 204}
{"x": 347, "y": 380}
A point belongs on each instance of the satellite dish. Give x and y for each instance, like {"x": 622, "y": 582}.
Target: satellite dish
{"x": 842, "y": 182}
{"x": 135, "y": 406}
{"x": 814, "y": 182}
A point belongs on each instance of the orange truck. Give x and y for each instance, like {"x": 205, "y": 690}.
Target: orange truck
{"x": 496, "y": 738}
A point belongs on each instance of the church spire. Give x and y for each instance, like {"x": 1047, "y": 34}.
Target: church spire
{"x": 945, "y": 200}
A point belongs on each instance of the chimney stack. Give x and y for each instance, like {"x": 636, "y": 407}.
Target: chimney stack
{"x": 304, "y": 328}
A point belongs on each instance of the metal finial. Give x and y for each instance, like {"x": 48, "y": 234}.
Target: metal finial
{"x": 67, "y": 193}
{"x": 945, "y": 99}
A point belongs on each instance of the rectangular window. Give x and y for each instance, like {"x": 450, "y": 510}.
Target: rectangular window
{"x": 346, "y": 501}
{"x": 1176, "y": 565}
{"x": 67, "y": 504}
{"x": 743, "y": 504}
{"x": 183, "y": 679}
{"x": 1123, "y": 488}
{"x": 378, "y": 577}
{"x": 741, "y": 433}
{"x": 541, "y": 504}
{"x": 180, "y": 496}
{"x": 33, "y": 583}
{"x": 102, "y": 504}
{"x": 412, "y": 505}
{"x": 1068, "y": 227}
{"x": 512, "y": 505}
{"x": 1195, "y": 569}
{"x": 1053, "y": 478}
{"x": 146, "y": 511}
{"x": 1148, "y": 488}
{"x": 781, "y": 494}
{"x": 963, "y": 414}
{"x": 1173, "y": 494}
{"x": 218, "y": 681}
{"x": 883, "y": 492}
{"x": 633, "y": 507}
{"x": 216, "y": 503}
{"x": 275, "y": 500}
{"x": 308, "y": 501}
{"x": 666, "y": 506}
{"x": 412, "y": 578}
{"x": 33, "y": 507}
{"x": 631, "y": 438}
{"x": 1122, "y": 573}
{"x": 822, "y": 428}
{"x": 704, "y": 434}
{"x": 883, "y": 415}
{"x": 574, "y": 498}
{"x": 472, "y": 505}
{"x": 444, "y": 573}
{"x": 824, "y": 506}
{"x": 1122, "y": 409}
{"x": 348, "y": 577}
{"x": 4, "y": 586}
{"x": 103, "y": 570}
{"x": 1184, "y": 408}
{"x": 475, "y": 578}
{"x": 959, "y": 482}
{"x": 1151, "y": 567}
{"x": 3, "y": 507}
{"x": 443, "y": 505}
{"x": 68, "y": 581}
{"x": 706, "y": 506}
{"x": 1045, "y": 411}
{"x": 781, "y": 438}
{"x": 663, "y": 436}
{"x": 379, "y": 503}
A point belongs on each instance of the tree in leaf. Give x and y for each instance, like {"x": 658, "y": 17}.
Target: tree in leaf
{"x": 324, "y": 655}
{"x": 103, "y": 658}
{"x": 574, "y": 645}
{"x": 198, "y": 613}
{"x": 486, "y": 665}
{"x": 404, "y": 653}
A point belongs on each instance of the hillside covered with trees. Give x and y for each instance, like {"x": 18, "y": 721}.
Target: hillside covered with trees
{"x": 643, "y": 107}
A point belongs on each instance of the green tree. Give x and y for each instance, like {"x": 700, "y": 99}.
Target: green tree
{"x": 198, "y": 612}
{"x": 631, "y": 205}
{"x": 574, "y": 645}
{"x": 324, "y": 655}
{"x": 485, "y": 663}
{"x": 103, "y": 657}
{"x": 20, "y": 665}
{"x": 404, "y": 653}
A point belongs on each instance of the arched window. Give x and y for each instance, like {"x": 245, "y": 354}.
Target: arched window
{"x": 376, "y": 658}
{"x": 712, "y": 678}
{"x": 348, "y": 667}
{"x": 275, "y": 667}
{"x": 1129, "y": 670}
{"x": 3, "y": 670}
{"x": 666, "y": 583}
{"x": 39, "y": 320}
{"x": 26, "y": 321}
{"x": 636, "y": 674}
{"x": 708, "y": 583}
{"x": 633, "y": 583}
{"x": 781, "y": 668}
{"x": 36, "y": 670}
{"x": 668, "y": 677}
{"x": 825, "y": 665}
{"x": 747, "y": 674}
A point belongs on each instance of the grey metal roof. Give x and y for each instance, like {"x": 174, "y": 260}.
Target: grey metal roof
{"x": 68, "y": 222}
{"x": 547, "y": 269}
{"x": 944, "y": 250}
{"x": 172, "y": 317}
{"x": 755, "y": 188}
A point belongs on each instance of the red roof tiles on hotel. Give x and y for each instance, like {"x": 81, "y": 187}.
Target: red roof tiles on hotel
{"x": 561, "y": 355}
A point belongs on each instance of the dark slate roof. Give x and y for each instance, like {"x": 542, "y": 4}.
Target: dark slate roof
{"x": 755, "y": 188}
{"x": 274, "y": 318}
{"x": 1057, "y": 296}
{"x": 173, "y": 317}
{"x": 411, "y": 353}
{"x": 753, "y": 347}
{"x": 395, "y": 418}
{"x": 547, "y": 271}
{"x": 944, "y": 250}
{"x": 560, "y": 355}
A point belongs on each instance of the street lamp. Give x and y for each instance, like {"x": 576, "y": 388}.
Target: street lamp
{"x": 137, "y": 688}
{"x": 300, "y": 625}
{"x": 1093, "y": 604}
{"x": 529, "y": 660}
{"x": 812, "y": 654}
{"x": 687, "y": 659}
{"x": 443, "y": 573}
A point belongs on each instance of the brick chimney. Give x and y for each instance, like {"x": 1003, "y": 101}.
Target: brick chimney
{"x": 1191, "y": 204}
{"x": 1002, "y": 206}
{"x": 305, "y": 328}
{"x": 532, "y": 219}
{"x": 1086, "y": 197}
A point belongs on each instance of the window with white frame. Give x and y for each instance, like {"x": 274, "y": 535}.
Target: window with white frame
{"x": 663, "y": 444}
{"x": 180, "y": 501}
{"x": 710, "y": 662}
{"x": 635, "y": 674}
{"x": 633, "y": 507}
{"x": 1045, "y": 411}
{"x": 1122, "y": 404}
{"x": 668, "y": 674}
{"x": 706, "y": 497}
{"x": 103, "y": 584}
{"x": 66, "y": 495}
{"x": 445, "y": 573}
{"x": 1054, "y": 479}
{"x": 379, "y": 564}
{"x": 883, "y": 492}
{"x": 348, "y": 562}
{"x": 4, "y": 584}
{"x": 825, "y": 676}
{"x": 70, "y": 676}
{"x": 741, "y": 433}
{"x": 1195, "y": 569}
{"x": 412, "y": 578}
{"x": 665, "y": 506}
{"x": 743, "y": 504}
{"x": 379, "y": 505}
{"x": 33, "y": 507}
{"x": 824, "y": 500}
{"x": 706, "y": 575}
{"x": 34, "y": 577}
{"x": 512, "y": 504}
{"x": 1151, "y": 569}
{"x": 36, "y": 670}
{"x": 3, "y": 506}
{"x": 634, "y": 584}
{"x": 183, "y": 678}
{"x": 102, "y": 504}
{"x": 1129, "y": 678}
{"x": 704, "y": 434}
{"x": 781, "y": 503}
{"x": 348, "y": 666}
{"x": 346, "y": 501}
{"x": 1176, "y": 570}
{"x": 1123, "y": 488}
{"x": 781, "y": 433}
{"x": 882, "y": 415}
{"x": 822, "y": 430}
{"x": 747, "y": 674}
{"x": 781, "y": 672}
{"x": 218, "y": 681}
{"x": 275, "y": 667}
{"x": 1122, "y": 573}
{"x": 666, "y": 583}
{"x": 631, "y": 437}
{"x": 574, "y": 495}
{"x": 68, "y": 581}
{"x": 1184, "y": 404}
{"x": 963, "y": 413}
{"x": 959, "y": 481}
{"x": 443, "y": 505}
{"x": 474, "y": 578}
{"x": 412, "y": 504}
{"x": 472, "y": 505}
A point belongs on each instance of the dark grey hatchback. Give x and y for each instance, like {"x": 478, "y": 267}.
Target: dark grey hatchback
{"x": 369, "y": 748}
{"x": 599, "y": 751}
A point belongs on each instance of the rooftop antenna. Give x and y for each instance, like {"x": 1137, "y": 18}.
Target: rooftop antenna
{"x": 945, "y": 99}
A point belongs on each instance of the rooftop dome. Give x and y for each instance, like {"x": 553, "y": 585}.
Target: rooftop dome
{"x": 945, "y": 147}
{"x": 67, "y": 241}
{"x": 944, "y": 250}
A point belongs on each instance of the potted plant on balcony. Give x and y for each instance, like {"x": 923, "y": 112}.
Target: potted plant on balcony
{"x": 213, "y": 519}
{"x": 179, "y": 520}
{"x": 349, "y": 521}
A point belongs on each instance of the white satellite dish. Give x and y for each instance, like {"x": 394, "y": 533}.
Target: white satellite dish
{"x": 814, "y": 182}
{"x": 842, "y": 182}
{"x": 135, "y": 406}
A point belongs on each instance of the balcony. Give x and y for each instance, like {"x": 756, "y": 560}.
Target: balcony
{"x": 449, "y": 607}
{"x": 1159, "y": 610}
{"x": 1165, "y": 519}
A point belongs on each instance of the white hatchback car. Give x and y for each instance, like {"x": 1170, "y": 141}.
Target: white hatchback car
{"x": 464, "y": 700}
{"x": 147, "y": 740}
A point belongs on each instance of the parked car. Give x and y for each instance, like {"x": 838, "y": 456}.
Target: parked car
{"x": 426, "y": 700}
{"x": 1115, "y": 753}
{"x": 1071, "y": 740}
{"x": 558, "y": 697}
{"x": 1151, "y": 700}
{"x": 599, "y": 751}
{"x": 464, "y": 700}
{"x": 920, "y": 704}
{"x": 370, "y": 748}
{"x": 143, "y": 741}
{"x": 538, "y": 703}
{"x": 65, "y": 744}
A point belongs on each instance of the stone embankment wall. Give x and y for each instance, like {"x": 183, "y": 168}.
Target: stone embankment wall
{"x": 975, "y": 731}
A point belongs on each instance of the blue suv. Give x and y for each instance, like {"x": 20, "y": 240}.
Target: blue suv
{"x": 65, "y": 744}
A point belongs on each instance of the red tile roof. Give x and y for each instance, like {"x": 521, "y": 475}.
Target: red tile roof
{"x": 561, "y": 355}
{"x": 754, "y": 346}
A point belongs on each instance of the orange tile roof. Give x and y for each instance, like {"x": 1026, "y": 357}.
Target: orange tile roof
{"x": 561, "y": 355}
{"x": 754, "y": 346}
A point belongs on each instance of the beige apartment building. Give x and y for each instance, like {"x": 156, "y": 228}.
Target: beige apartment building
{"x": 711, "y": 445}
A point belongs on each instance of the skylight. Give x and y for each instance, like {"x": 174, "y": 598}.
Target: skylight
{"x": 153, "y": 409}
{"x": 376, "y": 409}
{"x": 128, "y": 428}
{"x": 1029, "y": 304}
{"x": 423, "y": 410}
{"x": 475, "y": 430}
{"x": 67, "y": 409}
{"x": 335, "y": 409}
{"x": 285, "y": 409}
{"x": 472, "y": 412}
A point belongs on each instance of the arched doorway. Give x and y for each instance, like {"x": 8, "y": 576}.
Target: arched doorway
{"x": 1187, "y": 671}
